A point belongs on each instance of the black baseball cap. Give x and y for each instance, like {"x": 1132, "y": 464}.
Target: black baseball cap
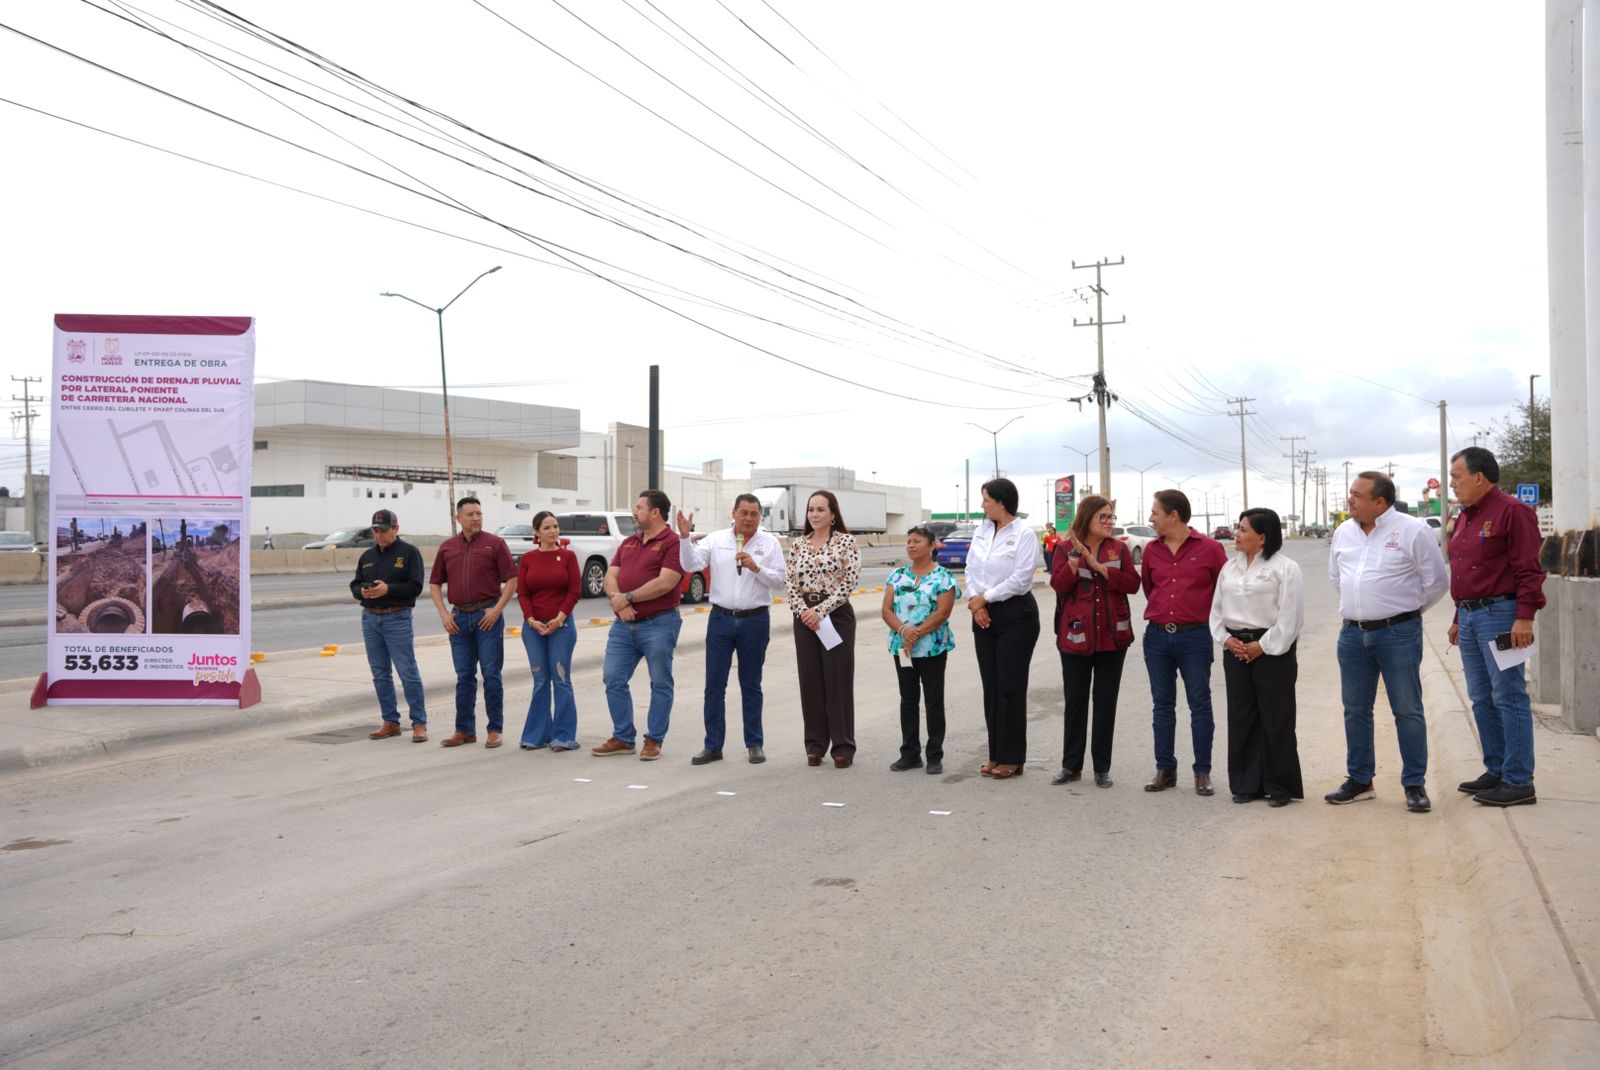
{"x": 383, "y": 518}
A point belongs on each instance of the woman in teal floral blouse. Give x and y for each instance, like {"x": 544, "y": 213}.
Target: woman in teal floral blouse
{"x": 917, "y": 600}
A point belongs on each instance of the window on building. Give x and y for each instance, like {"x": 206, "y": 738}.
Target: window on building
{"x": 279, "y": 490}
{"x": 261, "y": 443}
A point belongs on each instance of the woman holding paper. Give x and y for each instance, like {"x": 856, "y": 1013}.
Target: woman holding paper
{"x": 823, "y": 569}
{"x": 1005, "y": 624}
{"x": 917, "y": 601}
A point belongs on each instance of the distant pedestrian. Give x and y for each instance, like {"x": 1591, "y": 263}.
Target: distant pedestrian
{"x": 1005, "y": 624}
{"x": 474, "y": 569}
{"x": 1388, "y": 569}
{"x": 643, "y": 585}
{"x": 1181, "y": 566}
{"x": 1093, "y": 577}
{"x": 918, "y": 599}
{"x": 268, "y": 544}
{"x": 548, "y": 586}
{"x": 747, "y": 569}
{"x": 1498, "y": 586}
{"x": 1050, "y": 542}
{"x": 1257, "y": 615}
{"x": 824, "y": 569}
{"x": 387, "y": 582}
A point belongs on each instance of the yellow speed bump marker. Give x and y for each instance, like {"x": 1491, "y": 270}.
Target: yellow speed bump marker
{"x": 702, "y": 609}
{"x": 513, "y": 631}
{"x": 257, "y": 656}
{"x": 598, "y": 621}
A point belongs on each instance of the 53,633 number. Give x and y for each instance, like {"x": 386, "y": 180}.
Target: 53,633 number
{"x": 104, "y": 663}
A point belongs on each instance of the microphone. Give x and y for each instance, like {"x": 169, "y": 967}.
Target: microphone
{"x": 738, "y": 548}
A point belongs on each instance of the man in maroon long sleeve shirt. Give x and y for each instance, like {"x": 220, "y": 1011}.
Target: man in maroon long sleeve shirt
{"x": 1498, "y": 586}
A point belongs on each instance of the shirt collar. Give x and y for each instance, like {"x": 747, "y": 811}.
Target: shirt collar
{"x": 1484, "y": 502}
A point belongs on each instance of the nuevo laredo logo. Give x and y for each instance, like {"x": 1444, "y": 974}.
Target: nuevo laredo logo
{"x": 113, "y": 353}
{"x": 77, "y": 350}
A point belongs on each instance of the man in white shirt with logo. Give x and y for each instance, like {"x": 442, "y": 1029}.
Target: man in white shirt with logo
{"x": 1388, "y": 570}
{"x": 747, "y": 569}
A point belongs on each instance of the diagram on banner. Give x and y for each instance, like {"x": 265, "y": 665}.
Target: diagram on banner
{"x": 196, "y": 567}
{"x": 153, "y": 461}
{"x": 101, "y": 570}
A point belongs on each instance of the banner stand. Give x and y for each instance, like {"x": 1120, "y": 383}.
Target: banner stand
{"x": 249, "y": 691}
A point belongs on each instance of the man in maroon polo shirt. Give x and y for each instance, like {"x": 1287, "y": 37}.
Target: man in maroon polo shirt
{"x": 1497, "y": 586}
{"x": 1179, "y": 579}
{"x": 642, "y": 584}
{"x": 474, "y": 569}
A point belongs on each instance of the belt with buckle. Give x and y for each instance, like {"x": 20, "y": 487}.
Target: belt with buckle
{"x": 1376, "y": 625}
{"x": 738, "y": 612}
{"x": 811, "y": 598}
{"x": 1172, "y": 629}
{"x": 1479, "y": 603}
{"x": 384, "y": 610}
{"x": 473, "y": 607}
{"x": 1247, "y": 635}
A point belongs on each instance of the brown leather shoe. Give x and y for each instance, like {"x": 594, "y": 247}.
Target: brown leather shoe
{"x": 493, "y": 741}
{"x": 610, "y": 747}
{"x": 650, "y": 751}
{"x": 813, "y": 759}
{"x": 419, "y": 733}
{"x": 1202, "y": 784}
{"x": 1164, "y": 779}
{"x": 842, "y": 761}
{"x": 458, "y": 739}
{"x": 385, "y": 731}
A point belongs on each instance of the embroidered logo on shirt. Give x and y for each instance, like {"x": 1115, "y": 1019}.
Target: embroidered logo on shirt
{"x": 1485, "y": 531}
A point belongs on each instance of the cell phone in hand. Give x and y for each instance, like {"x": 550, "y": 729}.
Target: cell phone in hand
{"x": 368, "y": 585}
{"x": 1503, "y": 642}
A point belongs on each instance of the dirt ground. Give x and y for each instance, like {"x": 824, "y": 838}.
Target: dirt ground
{"x": 206, "y": 580}
{"x": 97, "y": 571}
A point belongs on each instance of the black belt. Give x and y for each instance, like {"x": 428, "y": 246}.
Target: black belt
{"x": 1247, "y": 635}
{"x": 812, "y": 599}
{"x": 385, "y": 610}
{"x": 1376, "y": 625}
{"x": 738, "y": 612}
{"x": 1479, "y": 603}
{"x": 473, "y": 607}
{"x": 1174, "y": 628}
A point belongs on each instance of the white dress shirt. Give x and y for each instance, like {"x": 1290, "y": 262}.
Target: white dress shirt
{"x": 730, "y": 588}
{"x": 1264, "y": 593}
{"x": 1000, "y": 563}
{"x": 1395, "y": 569}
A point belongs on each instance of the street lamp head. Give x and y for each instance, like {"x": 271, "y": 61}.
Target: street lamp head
{"x": 492, "y": 270}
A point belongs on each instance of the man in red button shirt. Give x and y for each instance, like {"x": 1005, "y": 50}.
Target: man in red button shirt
{"x": 1179, "y": 579}
{"x": 1497, "y": 586}
{"x": 474, "y": 570}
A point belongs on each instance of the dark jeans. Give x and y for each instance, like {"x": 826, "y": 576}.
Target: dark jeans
{"x": 1167, "y": 656}
{"x": 1263, "y": 755}
{"x": 727, "y": 635}
{"x": 1099, "y": 673}
{"x": 472, "y": 649}
{"x": 1004, "y": 650}
{"x": 927, "y": 676}
{"x": 1393, "y": 654}
{"x": 389, "y": 642}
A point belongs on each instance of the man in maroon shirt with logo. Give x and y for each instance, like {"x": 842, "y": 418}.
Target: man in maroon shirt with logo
{"x": 1179, "y": 579}
{"x": 1498, "y": 586}
{"x": 474, "y": 569}
{"x": 642, "y": 584}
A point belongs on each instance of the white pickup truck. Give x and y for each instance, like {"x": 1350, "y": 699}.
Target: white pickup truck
{"x": 594, "y": 537}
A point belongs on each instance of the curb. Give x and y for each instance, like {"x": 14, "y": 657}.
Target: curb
{"x": 20, "y": 618}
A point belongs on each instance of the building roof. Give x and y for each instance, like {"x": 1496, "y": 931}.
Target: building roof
{"x": 304, "y": 403}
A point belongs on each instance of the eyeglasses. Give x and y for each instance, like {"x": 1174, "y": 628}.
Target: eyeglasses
{"x": 1106, "y": 518}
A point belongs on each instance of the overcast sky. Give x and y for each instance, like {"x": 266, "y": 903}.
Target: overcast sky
{"x": 1336, "y": 210}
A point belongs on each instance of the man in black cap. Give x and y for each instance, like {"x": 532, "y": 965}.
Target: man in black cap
{"x": 388, "y": 581}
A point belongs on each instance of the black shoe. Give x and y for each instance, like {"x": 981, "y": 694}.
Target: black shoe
{"x": 1103, "y": 780}
{"x": 1277, "y": 800}
{"x": 1417, "y": 799}
{"x": 706, "y": 757}
{"x": 1508, "y": 795}
{"x": 1066, "y": 776}
{"x": 1244, "y": 798}
{"x": 1483, "y": 783}
{"x": 1350, "y": 791}
{"x": 757, "y": 755}
{"x": 935, "y": 767}
{"x": 900, "y": 765}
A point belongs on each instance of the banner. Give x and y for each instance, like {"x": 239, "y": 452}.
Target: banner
{"x": 150, "y": 426}
{"x": 1066, "y": 503}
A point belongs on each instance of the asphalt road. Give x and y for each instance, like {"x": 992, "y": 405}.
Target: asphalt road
{"x": 269, "y": 901}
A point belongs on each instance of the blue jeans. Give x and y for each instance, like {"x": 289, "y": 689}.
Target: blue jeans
{"x": 1499, "y": 699}
{"x": 471, "y": 650}
{"x": 388, "y": 639}
{"x": 1167, "y": 656}
{"x": 654, "y": 640}
{"x": 727, "y": 635}
{"x": 550, "y": 658}
{"x": 1395, "y": 653}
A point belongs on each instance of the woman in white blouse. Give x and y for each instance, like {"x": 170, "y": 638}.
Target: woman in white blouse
{"x": 1005, "y": 624}
{"x": 1257, "y": 615}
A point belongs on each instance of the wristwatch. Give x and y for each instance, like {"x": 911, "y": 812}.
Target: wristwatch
{"x": 629, "y": 597}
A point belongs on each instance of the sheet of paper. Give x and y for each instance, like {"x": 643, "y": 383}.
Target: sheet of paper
{"x": 1510, "y": 659}
{"x": 829, "y": 634}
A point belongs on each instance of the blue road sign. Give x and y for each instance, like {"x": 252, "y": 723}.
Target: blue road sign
{"x": 1528, "y": 493}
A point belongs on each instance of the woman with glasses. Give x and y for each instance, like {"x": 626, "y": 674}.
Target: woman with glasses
{"x": 1257, "y": 614}
{"x": 1093, "y": 577}
{"x": 917, "y": 601}
{"x": 1005, "y": 624}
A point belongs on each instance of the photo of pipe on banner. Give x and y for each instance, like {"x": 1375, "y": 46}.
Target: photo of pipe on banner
{"x": 151, "y": 420}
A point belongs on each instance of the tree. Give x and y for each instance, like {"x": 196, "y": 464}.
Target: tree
{"x": 1523, "y": 450}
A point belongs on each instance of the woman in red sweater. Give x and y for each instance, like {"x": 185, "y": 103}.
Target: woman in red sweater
{"x": 1092, "y": 575}
{"x": 547, "y": 588}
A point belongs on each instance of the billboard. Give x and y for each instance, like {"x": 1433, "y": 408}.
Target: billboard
{"x": 150, "y": 421}
{"x": 1066, "y": 502}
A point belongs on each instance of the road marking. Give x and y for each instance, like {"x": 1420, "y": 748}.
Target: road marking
{"x": 581, "y": 780}
{"x": 637, "y": 787}
{"x": 727, "y": 793}
{"x": 940, "y": 813}
{"x": 833, "y": 804}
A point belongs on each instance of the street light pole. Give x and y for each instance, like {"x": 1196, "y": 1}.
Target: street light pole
{"x": 1086, "y": 453}
{"x": 444, "y": 386}
{"x": 996, "y": 435}
{"x": 1141, "y": 472}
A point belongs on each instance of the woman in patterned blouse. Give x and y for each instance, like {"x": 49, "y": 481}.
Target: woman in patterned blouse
{"x": 917, "y": 601}
{"x": 824, "y": 567}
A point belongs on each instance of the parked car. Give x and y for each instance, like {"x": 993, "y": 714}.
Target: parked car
{"x": 343, "y": 539}
{"x": 1136, "y": 536}
{"x": 595, "y": 537}
{"x": 18, "y": 542}
{"x": 952, "y": 551}
{"x": 941, "y": 528}
{"x": 519, "y": 539}
{"x": 1224, "y": 533}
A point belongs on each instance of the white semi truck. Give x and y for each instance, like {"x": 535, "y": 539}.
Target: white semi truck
{"x": 783, "y": 509}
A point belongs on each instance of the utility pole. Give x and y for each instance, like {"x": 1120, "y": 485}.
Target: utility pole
{"x": 1102, "y": 396}
{"x": 1305, "y": 466}
{"x": 1444, "y": 469}
{"x": 966, "y": 503}
{"x": 30, "y": 503}
{"x": 1346, "y": 502}
{"x": 1533, "y": 430}
{"x": 1291, "y": 440}
{"x": 1244, "y": 471}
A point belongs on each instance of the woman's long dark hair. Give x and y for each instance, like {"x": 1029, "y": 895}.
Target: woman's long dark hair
{"x": 833, "y": 503}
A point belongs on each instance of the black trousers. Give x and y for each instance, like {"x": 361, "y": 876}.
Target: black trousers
{"x": 828, "y": 685}
{"x": 1004, "y": 650}
{"x": 1263, "y": 756}
{"x": 1099, "y": 673}
{"x": 927, "y": 676}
